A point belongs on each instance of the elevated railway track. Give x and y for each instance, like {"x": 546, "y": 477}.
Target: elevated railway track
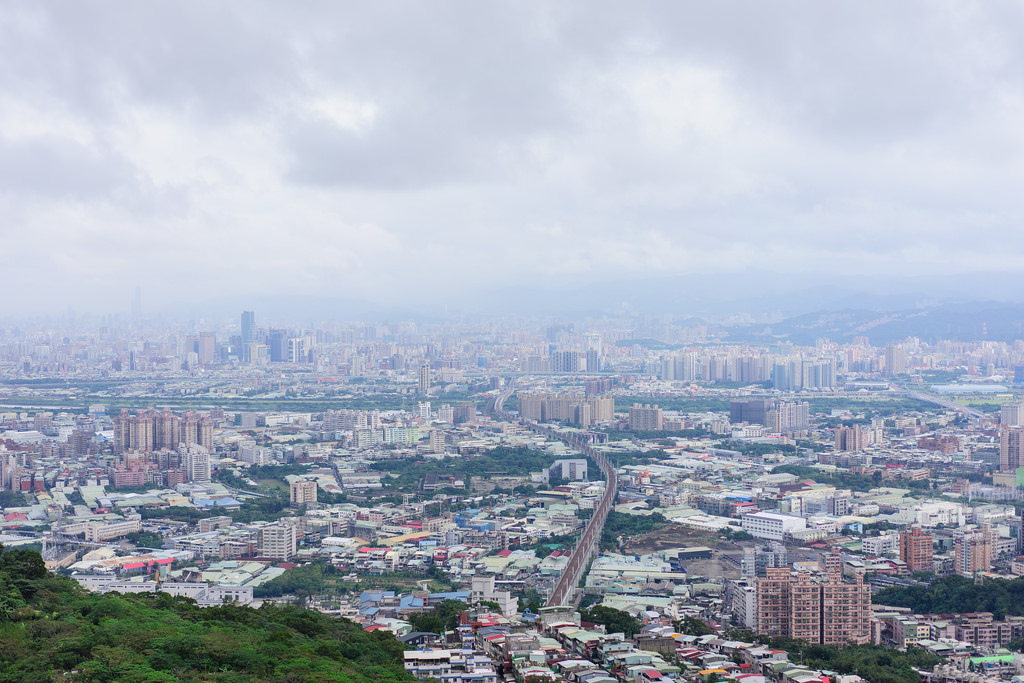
{"x": 563, "y": 592}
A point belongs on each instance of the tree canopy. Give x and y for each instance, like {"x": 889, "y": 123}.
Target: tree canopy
{"x": 957, "y": 595}
{"x": 51, "y": 629}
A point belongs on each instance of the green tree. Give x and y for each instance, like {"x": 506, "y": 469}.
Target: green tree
{"x": 615, "y": 621}
{"x": 692, "y": 626}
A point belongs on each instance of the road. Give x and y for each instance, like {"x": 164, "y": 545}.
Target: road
{"x": 587, "y": 544}
{"x": 949, "y": 405}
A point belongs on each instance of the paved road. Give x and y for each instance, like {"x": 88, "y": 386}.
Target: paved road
{"x": 949, "y": 405}
{"x": 586, "y": 546}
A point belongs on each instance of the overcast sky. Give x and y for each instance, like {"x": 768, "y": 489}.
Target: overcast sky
{"x": 418, "y": 155}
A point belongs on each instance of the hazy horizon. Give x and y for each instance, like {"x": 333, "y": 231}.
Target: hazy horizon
{"x": 481, "y": 159}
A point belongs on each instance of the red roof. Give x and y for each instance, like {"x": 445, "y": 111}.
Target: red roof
{"x": 505, "y": 553}
{"x": 375, "y": 627}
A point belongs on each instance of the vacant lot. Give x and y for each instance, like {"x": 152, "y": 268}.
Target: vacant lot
{"x": 677, "y": 536}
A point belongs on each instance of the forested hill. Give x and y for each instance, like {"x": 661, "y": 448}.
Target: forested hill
{"x": 957, "y": 595}
{"x": 51, "y": 629}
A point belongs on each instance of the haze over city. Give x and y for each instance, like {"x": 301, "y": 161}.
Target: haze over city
{"x": 431, "y": 159}
{"x": 512, "y": 342}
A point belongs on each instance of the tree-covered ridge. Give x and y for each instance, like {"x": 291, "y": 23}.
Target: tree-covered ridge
{"x": 957, "y": 595}
{"x": 52, "y": 629}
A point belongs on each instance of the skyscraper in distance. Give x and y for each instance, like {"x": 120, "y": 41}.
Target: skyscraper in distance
{"x": 248, "y": 334}
{"x": 424, "y": 379}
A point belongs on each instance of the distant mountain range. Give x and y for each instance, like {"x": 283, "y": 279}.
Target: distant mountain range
{"x": 976, "y": 321}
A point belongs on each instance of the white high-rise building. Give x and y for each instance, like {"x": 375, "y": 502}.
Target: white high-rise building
{"x": 278, "y": 541}
{"x": 1011, "y": 414}
{"x": 196, "y": 460}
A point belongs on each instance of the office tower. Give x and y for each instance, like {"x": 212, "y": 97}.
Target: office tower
{"x": 916, "y": 550}
{"x": 895, "y": 360}
{"x": 277, "y": 340}
{"x": 196, "y": 460}
{"x": 302, "y": 492}
{"x": 1011, "y": 414}
{"x": 424, "y": 379}
{"x": 973, "y": 550}
{"x": 248, "y": 334}
{"x": 754, "y": 411}
{"x": 645, "y": 417}
{"x": 424, "y": 410}
{"x": 1011, "y": 448}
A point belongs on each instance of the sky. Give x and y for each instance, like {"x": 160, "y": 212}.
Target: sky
{"x": 434, "y": 157}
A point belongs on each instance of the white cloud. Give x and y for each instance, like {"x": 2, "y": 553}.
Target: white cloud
{"x": 359, "y": 150}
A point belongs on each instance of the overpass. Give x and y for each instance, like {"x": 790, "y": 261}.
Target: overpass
{"x": 586, "y": 546}
{"x": 948, "y": 405}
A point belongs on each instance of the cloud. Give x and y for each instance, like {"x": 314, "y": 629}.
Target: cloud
{"x": 353, "y": 149}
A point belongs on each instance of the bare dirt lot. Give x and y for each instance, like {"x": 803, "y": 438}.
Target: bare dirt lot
{"x": 685, "y": 537}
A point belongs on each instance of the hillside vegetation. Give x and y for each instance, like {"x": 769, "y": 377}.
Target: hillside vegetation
{"x": 52, "y": 629}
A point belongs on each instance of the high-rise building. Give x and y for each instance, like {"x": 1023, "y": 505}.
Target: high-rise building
{"x": 1011, "y": 448}
{"x": 758, "y": 559}
{"x": 248, "y": 334}
{"x": 1011, "y": 414}
{"x": 895, "y": 360}
{"x": 196, "y": 460}
{"x": 853, "y": 438}
{"x": 645, "y": 418}
{"x": 424, "y": 379}
{"x": 754, "y": 411}
{"x": 303, "y": 492}
{"x": 437, "y": 441}
{"x": 916, "y": 550}
{"x": 565, "y": 361}
{"x": 787, "y": 416}
{"x": 973, "y": 550}
{"x": 816, "y": 608}
{"x": 277, "y": 541}
{"x": 573, "y": 409}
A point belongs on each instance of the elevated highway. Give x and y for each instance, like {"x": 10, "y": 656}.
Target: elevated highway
{"x": 948, "y": 405}
{"x": 586, "y": 546}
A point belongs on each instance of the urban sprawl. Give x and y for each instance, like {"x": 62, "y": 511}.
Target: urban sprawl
{"x": 614, "y": 500}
